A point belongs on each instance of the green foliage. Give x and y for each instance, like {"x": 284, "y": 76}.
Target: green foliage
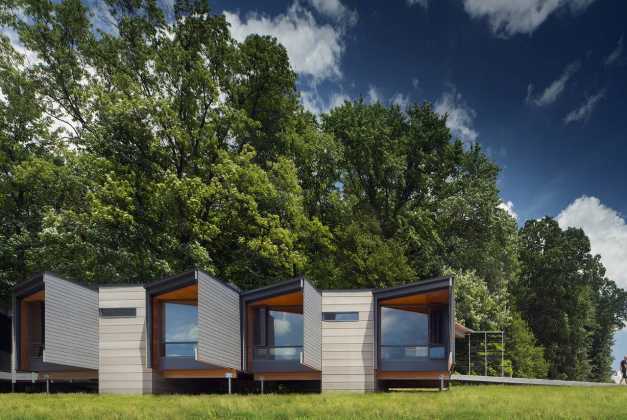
{"x": 466, "y": 402}
{"x": 475, "y": 306}
{"x": 569, "y": 304}
{"x": 527, "y": 357}
{"x": 165, "y": 144}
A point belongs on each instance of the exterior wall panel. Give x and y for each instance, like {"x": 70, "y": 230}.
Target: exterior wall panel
{"x": 219, "y": 338}
{"x": 348, "y": 346}
{"x": 122, "y": 362}
{"x": 71, "y": 316}
{"x": 312, "y": 334}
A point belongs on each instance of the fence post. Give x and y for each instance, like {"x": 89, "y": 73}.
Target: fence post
{"x": 485, "y": 353}
{"x": 229, "y": 376}
{"x": 468, "y": 373}
{"x": 502, "y": 353}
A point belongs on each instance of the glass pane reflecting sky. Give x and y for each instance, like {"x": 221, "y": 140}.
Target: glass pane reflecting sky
{"x": 403, "y": 327}
{"x": 181, "y": 322}
{"x": 285, "y": 329}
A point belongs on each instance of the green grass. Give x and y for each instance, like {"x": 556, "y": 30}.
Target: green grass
{"x": 468, "y": 402}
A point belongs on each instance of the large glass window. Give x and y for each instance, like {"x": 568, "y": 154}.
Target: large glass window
{"x": 180, "y": 335}
{"x": 411, "y": 333}
{"x": 279, "y": 333}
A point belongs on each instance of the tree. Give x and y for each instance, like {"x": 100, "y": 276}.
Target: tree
{"x": 562, "y": 294}
{"x": 164, "y": 125}
{"x": 521, "y": 348}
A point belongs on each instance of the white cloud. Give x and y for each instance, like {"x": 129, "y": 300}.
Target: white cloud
{"x": 607, "y": 231}
{"x": 615, "y": 55}
{"x": 314, "y": 49}
{"x": 509, "y": 208}
{"x": 316, "y": 104}
{"x": 585, "y": 110}
{"x": 374, "y": 95}
{"x": 423, "y": 3}
{"x": 101, "y": 18}
{"x": 30, "y": 57}
{"x": 336, "y": 11}
{"x": 415, "y": 82}
{"x": 511, "y": 17}
{"x": 400, "y": 100}
{"x": 555, "y": 89}
{"x": 460, "y": 118}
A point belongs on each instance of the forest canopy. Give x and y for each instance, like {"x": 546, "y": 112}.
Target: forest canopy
{"x": 166, "y": 144}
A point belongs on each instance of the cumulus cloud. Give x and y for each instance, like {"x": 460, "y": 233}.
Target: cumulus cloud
{"x": 313, "y": 102}
{"x": 615, "y": 55}
{"x": 30, "y": 57}
{"x": 555, "y": 89}
{"x": 460, "y": 118}
{"x": 584, "y": 111}
{"x": 422, "y": 3}
{"x": 335, "y": 10}
{"x": 509, "y": 208}
{"x": 400, "y": 100}
{"x": 374, "y": 95}
{"x": 607, "y": 231}
{"x": 314, "y": 49}
{"x": 511, "y": 17}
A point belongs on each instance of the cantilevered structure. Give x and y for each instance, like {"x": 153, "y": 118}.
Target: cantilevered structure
{"x": 167, "y": 335}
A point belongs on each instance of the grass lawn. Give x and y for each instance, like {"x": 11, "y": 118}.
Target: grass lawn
{"x": 469, "y": 402}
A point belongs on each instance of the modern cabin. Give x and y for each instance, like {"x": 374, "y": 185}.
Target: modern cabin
{"x": 55, "y": 328}
{"x": 192, "y": 332}
{"x": 282, "y": 331}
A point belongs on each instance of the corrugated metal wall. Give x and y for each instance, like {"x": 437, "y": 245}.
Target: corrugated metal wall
{"x": 71, "y": 316}
{"x": 219, "y": 339}
{"x": 312, "y": 338}
{"x": 348, "y": 346}
{"x": 122, "y": 366}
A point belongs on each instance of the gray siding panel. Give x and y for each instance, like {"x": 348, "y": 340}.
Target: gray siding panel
{"x": 123, "y": 344}
{"x": 312, "y": 338}
{"x": 219, "y": 338}
{"x": 71, "y": 324}
{"x": 348, "y": 346}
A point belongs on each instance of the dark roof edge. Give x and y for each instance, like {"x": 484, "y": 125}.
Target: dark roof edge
{"x": 424, "y": 285}
{"x": 181, "y": 280}
{"x": 276, "y": 289}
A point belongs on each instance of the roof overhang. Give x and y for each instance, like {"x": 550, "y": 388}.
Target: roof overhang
{"x": 278, "y": 289}
{"x": 179, "y": 281}
{"x": 414, "y": 288}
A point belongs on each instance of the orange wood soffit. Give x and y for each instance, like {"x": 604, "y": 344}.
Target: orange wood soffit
{"x": 186, "y": 293}
{"x": 290, "y": 299}
{"x": 205, "y": 373}
{"x": 36, "y": 297}
{"x": 69, "y": 375}
{"x": 289, "y": 376}
{"x": 437, "y": 296}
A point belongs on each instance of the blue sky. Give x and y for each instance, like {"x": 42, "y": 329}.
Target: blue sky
{"x": 540, "y": 84}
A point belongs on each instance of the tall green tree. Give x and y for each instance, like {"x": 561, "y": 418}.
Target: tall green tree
{"x": 563, "y": 295}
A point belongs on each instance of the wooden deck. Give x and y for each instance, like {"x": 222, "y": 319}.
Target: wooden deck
{"x": 526, "y": 381}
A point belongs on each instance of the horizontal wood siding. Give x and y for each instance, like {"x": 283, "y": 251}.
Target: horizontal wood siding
{"x": 348, "y": 346}
{"x": 312, "y": 334}
{"x": 122, "y": 362}
{"x": 219, "y": 341}
{"x": 71, "y": 329}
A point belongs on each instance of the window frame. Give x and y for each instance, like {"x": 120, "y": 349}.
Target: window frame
{"x": 428, "y": 311}
{"x": 335, "y": 313}
{"x": 264, "y": 331}
{"x": 162, "y": 340}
